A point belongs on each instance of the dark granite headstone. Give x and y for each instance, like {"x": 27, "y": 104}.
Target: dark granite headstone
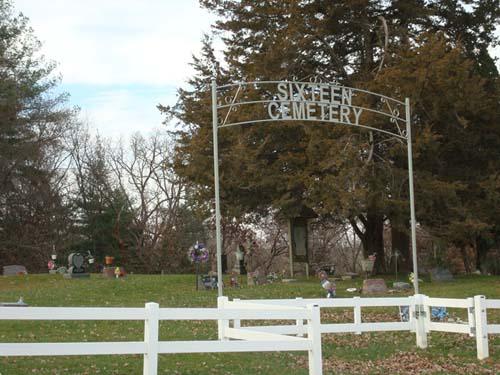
{"x": 441, "y": 274}
{"x": 14, "y": 270}
{"x": 373, "y": 286}
{"x": 76, "y": 267}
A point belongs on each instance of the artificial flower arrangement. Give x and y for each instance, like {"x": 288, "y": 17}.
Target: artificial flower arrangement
{"x": 198, "y": 253}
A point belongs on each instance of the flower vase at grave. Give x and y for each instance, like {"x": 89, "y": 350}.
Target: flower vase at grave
{"x": 108, "y": 270}
{"x": 51, "y": 265}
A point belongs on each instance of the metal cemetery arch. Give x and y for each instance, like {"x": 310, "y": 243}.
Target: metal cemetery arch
{"x": 271, "y": 101}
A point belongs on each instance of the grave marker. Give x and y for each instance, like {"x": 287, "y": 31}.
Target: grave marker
{"x": 14, "y": 270}
{"x": 373, "y": 286}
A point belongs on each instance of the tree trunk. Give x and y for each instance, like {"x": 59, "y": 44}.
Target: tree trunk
{"x": 466, "y": 260}
{"x": 375, "y": 240}
{"x": 482, "y": 248}
{"x": 372, "y": 238}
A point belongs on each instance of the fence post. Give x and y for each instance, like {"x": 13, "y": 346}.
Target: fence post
{"x": 427, "y": 315}
{"x": 481, "y": 327}
{"x": 236, "y": 322}
{"x": 420, "y": 321}
{"x": 471, "y": 319}
{"x": 412, "y": 314}
{"x": 357, "y": 314}
{"x": 299, "y": 323}
{"x": 151, "y": 323}
{"x": 222, "y": 324}
{"x": 314, "y": 335}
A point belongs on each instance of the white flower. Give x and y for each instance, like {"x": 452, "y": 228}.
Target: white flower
{"x": 411, "y": 277}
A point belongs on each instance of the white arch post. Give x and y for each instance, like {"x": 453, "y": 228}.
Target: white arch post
{"x": 218, "y": 233}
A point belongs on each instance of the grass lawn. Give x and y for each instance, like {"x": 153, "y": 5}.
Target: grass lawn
{"x": 375, "y": 353}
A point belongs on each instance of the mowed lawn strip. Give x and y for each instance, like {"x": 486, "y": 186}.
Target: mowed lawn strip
{"x": 379, "y": 352}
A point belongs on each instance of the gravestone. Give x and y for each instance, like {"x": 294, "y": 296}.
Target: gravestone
{"x": 261, "y": 279}
{"x": 374, "y": 286}
{"x": 108, "y": 272}
{"x": 399, "y": 285}
{"x": 14, "y": 270}
{"x": 250, "y": 279}
{"x": 440, "y": 274}
{"x": 349, "y": 276}
{"x": 77, "y": 268}
{"x": 239, "y": 263}
{"x": 209, "y": 281}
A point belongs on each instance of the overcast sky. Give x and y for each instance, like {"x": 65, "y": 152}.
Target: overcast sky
{"x": 119, "y": 58}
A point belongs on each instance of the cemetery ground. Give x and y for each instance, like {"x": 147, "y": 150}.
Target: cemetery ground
{"x": 369, "y": 353}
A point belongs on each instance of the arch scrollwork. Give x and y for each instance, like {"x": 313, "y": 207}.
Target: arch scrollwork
{"x": 313, "y": 100}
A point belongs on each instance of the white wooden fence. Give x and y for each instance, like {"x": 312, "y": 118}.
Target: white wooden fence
{"x": 262, "y": 338}
{"x": 419, "y": 317}
{"x": 245, "y": 341}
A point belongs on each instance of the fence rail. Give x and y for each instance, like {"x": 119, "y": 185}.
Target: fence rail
{"x": 493, "y": 304}
{"x": 151, "y": 314}
{"x": 356, "y": 303}
{"x": 304, "y": 335}
{"x": 73, "y": 348}
{"x": 419, "y": 317}
{"x": 72, "y": 313}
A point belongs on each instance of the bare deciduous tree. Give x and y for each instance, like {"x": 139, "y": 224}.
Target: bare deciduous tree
{"x": 154, "y": 194}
